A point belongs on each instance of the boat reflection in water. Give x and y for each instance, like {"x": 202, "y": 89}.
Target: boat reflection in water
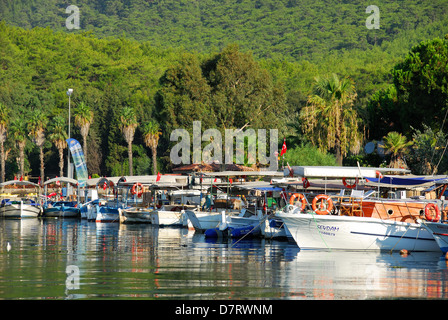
{"x": 145, "y": 261}
{"x": 366, "y": 275}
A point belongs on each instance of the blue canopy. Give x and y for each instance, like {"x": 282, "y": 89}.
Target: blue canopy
{"x": 403, "y": 181}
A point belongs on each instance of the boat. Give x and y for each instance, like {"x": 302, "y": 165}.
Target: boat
{"x": 110, "y": 212}
{"x": 246, "y": 224}
{"x": 439, "y": 231}
{"x": 67, "y": 208}
{"x": 359, "y": 221}
{"x": 61, "y": 209}
{"x": 25, "y": 207}
{"x": 135, "y": 215}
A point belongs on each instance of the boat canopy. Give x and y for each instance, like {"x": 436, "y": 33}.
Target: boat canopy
{"x": 18, "y": 182}
{"x": 61, "y": 179}
{"x": 338, "y": 172}
{"x": 404, "y": 181}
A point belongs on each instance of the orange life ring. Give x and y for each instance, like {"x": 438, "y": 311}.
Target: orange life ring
{"x": 306, "y": 183}
{"x": 301, "y": 197}
{"x": 378, "y": 174}
{"x": 322, "y": 210}
{"x": 138, "y": 192}
{"x": 429, "y": 215}
{"x": 350, "y": 186}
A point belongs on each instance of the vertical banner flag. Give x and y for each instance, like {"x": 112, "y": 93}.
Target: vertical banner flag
{"x": 79, "y": 161}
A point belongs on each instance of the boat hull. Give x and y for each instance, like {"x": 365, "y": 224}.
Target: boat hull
{"x": 107, "y": 214}
{"x": 62, "y": 213}
{"x": 168, "y": 218}
{"x": 312, "y": 231}
{"x": 439, "y": 232}
{"x": 134, "y": 215}
{"x": 203, "y": 220}
{"x": 20, "y": 210}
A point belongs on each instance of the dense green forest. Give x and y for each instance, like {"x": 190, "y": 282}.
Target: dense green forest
{"x": 170, "y": 61}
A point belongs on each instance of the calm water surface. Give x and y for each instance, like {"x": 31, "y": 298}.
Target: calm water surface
{"x": 146, "y": 262}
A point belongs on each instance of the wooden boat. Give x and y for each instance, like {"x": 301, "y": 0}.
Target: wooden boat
{"x": 20, "y": 208}
{"x": 357, "y": 222}
{"x": 237, "y": 226}
{"x": 62, "y": 209}
{"x": 135, "y": 215}
{"x": 108, "y": 213}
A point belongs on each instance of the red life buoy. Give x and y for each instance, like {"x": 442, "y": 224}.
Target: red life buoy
{"x": 306, "y": 183}
{"x": 137, "y": 189}
{"x": 326, "y": 204}
{"x": 378, "y": 174}
{"x": 428, "y": 214}
{"x": 301, "y": 197}
{"x": 350, "y": 186}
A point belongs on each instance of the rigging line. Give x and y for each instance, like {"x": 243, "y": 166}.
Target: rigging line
{"x": 434, "y": 150}
{"x": 263, "y": 220}
{"x": 441, "y": 157}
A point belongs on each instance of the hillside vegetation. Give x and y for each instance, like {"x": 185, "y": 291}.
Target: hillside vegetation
{"x": 125, "y": 50}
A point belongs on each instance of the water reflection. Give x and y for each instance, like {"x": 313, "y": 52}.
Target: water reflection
{"x": 147, "y": 262}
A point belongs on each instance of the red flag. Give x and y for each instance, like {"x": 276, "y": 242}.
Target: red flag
{"x": 283, "y": 147}
{"x": 158, "y": 176}
{"x": 21, "y": 179}
{"x": 104, "y": 185}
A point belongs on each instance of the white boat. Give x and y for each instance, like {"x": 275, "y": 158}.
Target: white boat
{"x": 23, "y": 208}
{"x": 238, "y": 226}
{"x": 20, "y": 209}
{"x": 203, "y": 220}
{"x": 312, "y": 231}
{"x": 358, "y": 221}
{"x": 170, "y": 216}
{"x": 135, "y": 215}
{"x": 107, "y": 213}
{"x": 440, "y": 233}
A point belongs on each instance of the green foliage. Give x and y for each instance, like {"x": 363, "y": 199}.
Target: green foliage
{"x": 308, "y": 155}
{"x": 421, "y": 81}
{"x": 180, "y": 54}
{"x": 428, "y": 150}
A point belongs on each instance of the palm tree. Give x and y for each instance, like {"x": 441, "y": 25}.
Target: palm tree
{"x": 58, "y": 136}
{"x": 19, "y": 133}
{"x": 83, "y": 118}
{"x": 151, "y": 135}
{"x": 396, "y": 144}
{"x": 37, "y": 124}
{"x": 4, "y": 121}
{"x": 128, "y": 121}
{"x": 329, "y": 118}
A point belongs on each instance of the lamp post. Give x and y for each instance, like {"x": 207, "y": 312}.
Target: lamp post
{"x": 69, "y": 93}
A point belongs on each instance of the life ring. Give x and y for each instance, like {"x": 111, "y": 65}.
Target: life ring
{"x": 137, "y": 189}
{"x": 378, "y": 175}
{"x": 349, "y": 186}
{"x": 306, "y": 183}
{"x": 429, "y": 215}
{"x": 301, "y": 197}
{"x": 322, "y": 210}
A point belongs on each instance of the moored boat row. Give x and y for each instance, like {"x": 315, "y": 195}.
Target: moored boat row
{"x": 308, "y": 205}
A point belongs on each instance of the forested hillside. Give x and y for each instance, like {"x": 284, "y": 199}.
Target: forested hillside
{"x": 143, "y": 54}
{"x": 280, "y": 29}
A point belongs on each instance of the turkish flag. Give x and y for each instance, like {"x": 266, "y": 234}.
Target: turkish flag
{"x": 283, "y": 148}
{"x": 158, "y": 176}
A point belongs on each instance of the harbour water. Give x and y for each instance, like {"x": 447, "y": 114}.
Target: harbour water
{"x": 75, "y": 259}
